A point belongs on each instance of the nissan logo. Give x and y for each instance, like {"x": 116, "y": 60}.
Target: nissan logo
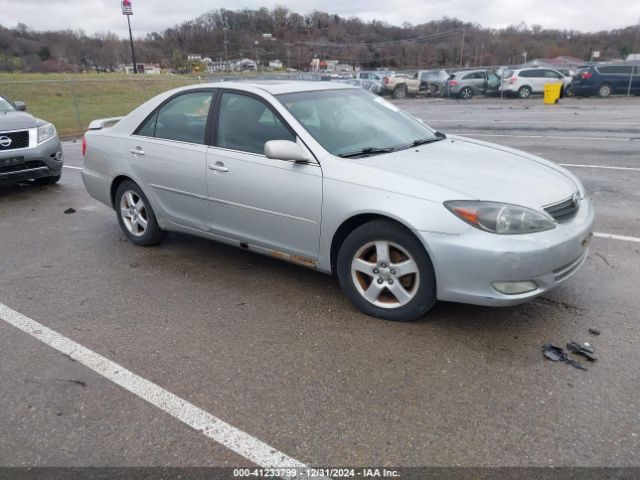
{"x": 5, "y": 142}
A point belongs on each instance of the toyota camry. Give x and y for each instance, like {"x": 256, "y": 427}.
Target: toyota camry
{"x": 336, "y": 179}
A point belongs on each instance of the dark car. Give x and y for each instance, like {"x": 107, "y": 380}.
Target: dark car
{"x": 605, "y": 80}
{"x": 29, "y": 147}
{"x": 468, "y": 83}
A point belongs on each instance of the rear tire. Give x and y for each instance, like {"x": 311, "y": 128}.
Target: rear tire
{"x": 524, "y": 92}
{"x": 604, "y": 90}
{"x": 136, "y": 217}
{"x": 47, "y": 180}
{"x": 466, "y": 93}
{"x": 385, "y": 272}
{"x": 400, "y": 91}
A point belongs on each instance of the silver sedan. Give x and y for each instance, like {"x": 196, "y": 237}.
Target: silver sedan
{"x": 334, "y": 178}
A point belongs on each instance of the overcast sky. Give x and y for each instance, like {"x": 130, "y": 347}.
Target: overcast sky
{"x": 155, "y": 15}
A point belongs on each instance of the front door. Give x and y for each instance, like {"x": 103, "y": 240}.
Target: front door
{"x": 269, "y": 203}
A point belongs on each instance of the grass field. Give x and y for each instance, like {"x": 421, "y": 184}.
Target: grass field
{"x": 70, "y": 102}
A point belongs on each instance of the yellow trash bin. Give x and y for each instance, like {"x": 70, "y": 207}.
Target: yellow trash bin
{"x": 552, "y": 93}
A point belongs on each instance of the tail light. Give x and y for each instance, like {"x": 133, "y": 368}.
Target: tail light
{"x": 586, "y": 75}
{"x": 84, "y": 145}
{"x": 513, "y": 80}
{"x": 453, "y": 83}
{"x": 385, "y": 80}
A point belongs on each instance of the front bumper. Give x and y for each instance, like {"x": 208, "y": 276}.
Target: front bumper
{"x": 467, "y": 264}
{"x": 44, "y": 160}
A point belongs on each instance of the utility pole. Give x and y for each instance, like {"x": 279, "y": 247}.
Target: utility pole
{"x": 127, "y": 10}
{"x": 462, "y": 47}
{"x": 226, "y": 50}
{"x": 633, "y": 66}
{"x": 299, "y": 57}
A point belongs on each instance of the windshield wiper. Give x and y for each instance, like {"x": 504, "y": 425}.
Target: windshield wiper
{"x": 366, "y": 152}
{"x": 423, "y": 141}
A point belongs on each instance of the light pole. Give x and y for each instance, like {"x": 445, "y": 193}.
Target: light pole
{"x": 257, "y": 63}
{"x": 127, "y": 10}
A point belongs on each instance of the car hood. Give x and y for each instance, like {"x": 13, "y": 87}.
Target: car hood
{"x": 17, "y": 120}
{"x": 474, "y": 169}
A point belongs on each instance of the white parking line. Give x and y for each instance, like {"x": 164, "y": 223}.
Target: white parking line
{"x": 470, "y": 134}
{"x": 508, "y": 121}
{"x": 598, "y": 166}
{"x": 73, "y": 168}
{"x": 613, "y": 236}
{"x": 218, "y": 430}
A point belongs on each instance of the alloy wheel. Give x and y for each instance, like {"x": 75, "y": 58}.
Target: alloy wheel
{"x": 385, "y": 274}
{"x": 134, "y": 213}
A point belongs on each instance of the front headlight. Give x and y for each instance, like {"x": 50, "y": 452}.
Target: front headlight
{"x": 500, "y": 218}
{"x": 45, "y": 132}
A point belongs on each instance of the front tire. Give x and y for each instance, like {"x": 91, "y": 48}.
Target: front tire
{"x": 135, "y": 215}
{"x": 385, "y": 272}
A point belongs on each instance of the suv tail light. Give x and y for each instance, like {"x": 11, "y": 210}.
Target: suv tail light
{"x": 513, "y": 80}
{"x": 586, "y": 75}
{"x": 385, "y": 80}
{"x": 453, "y": 83}
{"x": 84, "y": 145}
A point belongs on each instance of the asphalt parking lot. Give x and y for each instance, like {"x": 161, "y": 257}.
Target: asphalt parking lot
{"x": 276, "y": 350}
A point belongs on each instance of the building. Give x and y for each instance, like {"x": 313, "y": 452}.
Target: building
{"x": 275, "y": 64}
{"x": 146, "y": 68}
{"x": 633, "y": 57}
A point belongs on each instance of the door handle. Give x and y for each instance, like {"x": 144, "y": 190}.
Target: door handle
{"x": 137, "y": 151}
{"x": 218, "y": 167}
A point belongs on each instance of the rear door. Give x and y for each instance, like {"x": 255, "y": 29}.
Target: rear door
{"x": 168, "y": 155}
{"x": 269, "y": 203}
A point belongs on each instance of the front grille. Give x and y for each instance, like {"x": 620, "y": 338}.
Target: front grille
{"x": 14, "y": 140}
{"x": 21, "y": 166}
{"x": 565, "y": 210}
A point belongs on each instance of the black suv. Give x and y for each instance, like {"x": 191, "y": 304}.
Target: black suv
{"x": 604, "y": 80}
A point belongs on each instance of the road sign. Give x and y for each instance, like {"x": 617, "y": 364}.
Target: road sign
{"x": 596, "y": 54}
{"x": 127, "y": 8}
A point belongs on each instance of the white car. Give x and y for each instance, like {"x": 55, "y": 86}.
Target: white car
{"x": 523, "y": 82}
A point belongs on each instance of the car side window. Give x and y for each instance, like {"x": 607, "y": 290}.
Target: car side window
{"x": 551, "y": 74}
{"x": 183, "y": 118}
{"x": 246, "y": 124}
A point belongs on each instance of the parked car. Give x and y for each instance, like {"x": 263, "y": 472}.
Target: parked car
{"x": 604, "y": 80}
{"x": 371, "y": 80}
{"x": 433, "y": 82}
{"x": 29, "y": 147}
{"x": 340, "y": 180}
{"x": 426, "y": 82}
{"x": 399, "y": 85}
{"x": 468, "y": 83}
{"x": 526, "y": 81}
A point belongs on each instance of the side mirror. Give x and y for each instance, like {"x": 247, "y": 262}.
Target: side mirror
{"x": 285, "y": 150}
{"x": 20, "y": 106}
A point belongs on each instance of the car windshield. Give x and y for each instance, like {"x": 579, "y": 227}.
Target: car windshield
{"x": 348, "y": 121}
{"x": 5, "y": 106}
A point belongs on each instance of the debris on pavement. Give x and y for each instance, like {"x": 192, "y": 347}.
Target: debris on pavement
{"x": 69, "y": 210}
{"x": 554, "y": 353}
{"x": 585, "y": 350}
{"x": 557, "y": 354}
{"x": 593, "y": 331}
{"x": 575, "y": 364}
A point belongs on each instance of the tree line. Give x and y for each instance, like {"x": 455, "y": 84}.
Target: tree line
{"x": 295, "y": 39}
